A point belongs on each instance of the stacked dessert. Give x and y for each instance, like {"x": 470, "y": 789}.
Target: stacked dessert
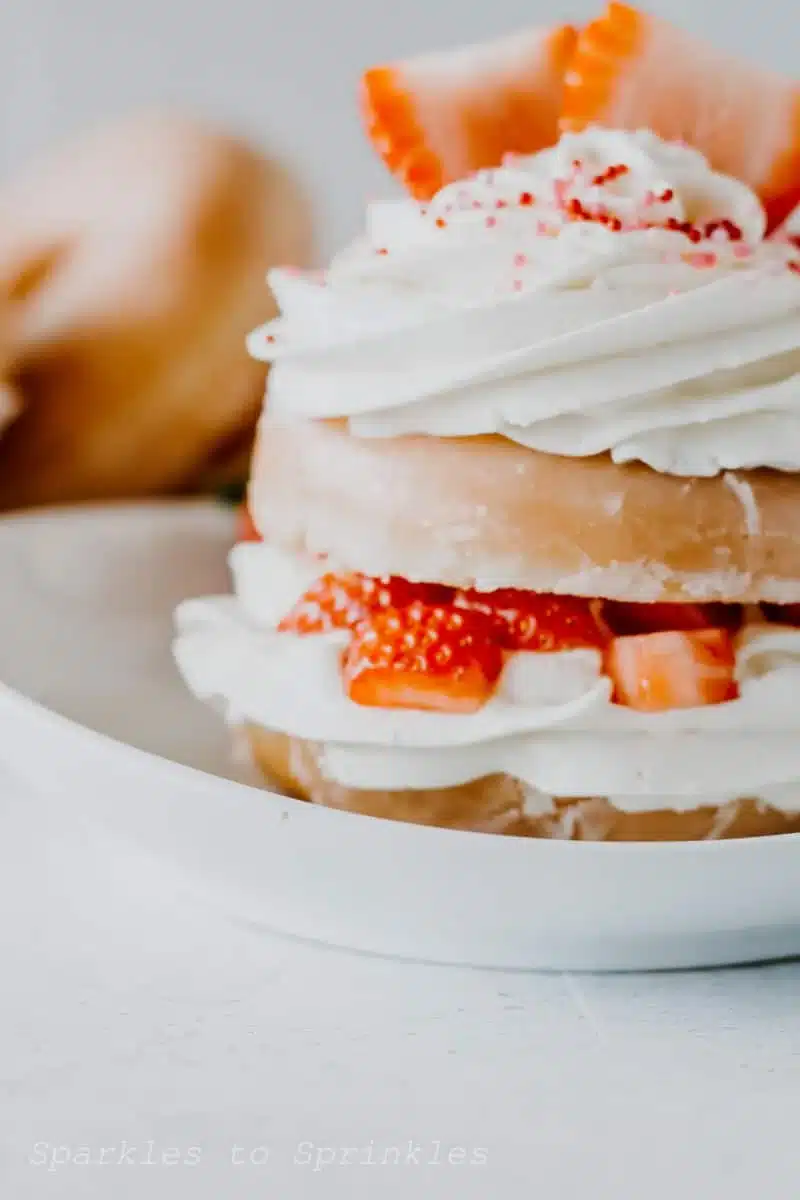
{"x": 525, "y": 503}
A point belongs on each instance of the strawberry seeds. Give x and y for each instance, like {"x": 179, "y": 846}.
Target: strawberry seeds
{"x": 431, "y": 647}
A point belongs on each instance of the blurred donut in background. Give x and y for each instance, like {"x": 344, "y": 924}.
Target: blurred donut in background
{"x": 132, "y": 266}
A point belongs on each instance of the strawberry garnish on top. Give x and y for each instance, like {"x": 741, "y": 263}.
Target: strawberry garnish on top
{"x": 439, "y": 117}
{"x": 654, "y": 672}
{"x": 634, "y": 71}
{"x": 425, "y": 656}
{"x": 537, "y": 620}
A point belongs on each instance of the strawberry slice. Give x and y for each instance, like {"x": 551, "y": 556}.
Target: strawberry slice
{"x": 341, "y": 601}
{"x": 634, "y": 71}
{"x": 624, "y": 618}
{"x": 782, "y": 614}
{"x": 433, "y": 657}
{"x": 439, "y": 117}
{"x": 537, "y": 620}
{"x": 654, "y": 672}
{"x": 245, "y": 526}
{"x": 333, "y": 602}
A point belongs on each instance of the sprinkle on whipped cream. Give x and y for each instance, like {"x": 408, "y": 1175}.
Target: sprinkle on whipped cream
{"x": 612, "y": 293}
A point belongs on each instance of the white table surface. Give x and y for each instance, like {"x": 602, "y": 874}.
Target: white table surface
{"x": 135, "y": 1013}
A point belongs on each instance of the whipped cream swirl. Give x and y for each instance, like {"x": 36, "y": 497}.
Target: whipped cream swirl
{"x": 612, "y": 293}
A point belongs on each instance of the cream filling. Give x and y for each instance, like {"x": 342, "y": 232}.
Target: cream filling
{"x": 550, "y": 724}
{"x": 461, "y": 317}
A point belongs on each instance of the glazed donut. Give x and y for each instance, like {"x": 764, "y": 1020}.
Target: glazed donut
{"x": 484, "y": 511}
{"x": 496, "y": 804}
{"x": 132, "y": 266}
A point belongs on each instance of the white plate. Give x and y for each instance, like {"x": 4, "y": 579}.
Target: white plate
{"x": 86, "y": 604}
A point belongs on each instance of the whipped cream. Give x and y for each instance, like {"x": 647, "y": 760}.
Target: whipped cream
{"x": 551, "y": 723}
{"x": 492, "y": 309}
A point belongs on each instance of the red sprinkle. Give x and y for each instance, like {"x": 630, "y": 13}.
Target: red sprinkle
{"x": 520, "y": 260}
{"x": 794, "y": 265}
{"x": 725, "y": 227}
{"x": 526, "y": 199}
{"x": 491, "y": 222}
{"x": 732, "y": 229}
{"x": 381, "y": 250}
{"x": 666, "y": 196}
{"x": 501, "y": 204}
{"x": 610, "y": 173}
{"x": 440, "y": 223}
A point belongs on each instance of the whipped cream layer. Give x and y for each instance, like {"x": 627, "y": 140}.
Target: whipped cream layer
{"x": 492, "y": 309}
{"x": 550, "y": 724}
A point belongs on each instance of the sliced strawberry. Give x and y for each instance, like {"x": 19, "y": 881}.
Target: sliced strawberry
{"x": 245, "y": 526}
{"x": 654, "y": 672}
{"x": 538, "y": 620}
{"x": 333, "y": 602}
{"x": 782, "y": 614}
{"x": 634, "y": 71}
{"x": 439, "y": 117}
{"x": 625, "y": 618}
{"x": 425, "y": 656}
{"x": 340, "y": 601}
{"x": 392, "y": 591}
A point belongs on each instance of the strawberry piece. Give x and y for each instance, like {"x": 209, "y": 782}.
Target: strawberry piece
{"x": 245, "y": 526}
{"x": 654, "y": 672}
{"x": 634, "y": 71}
{"x": 333, "y": 602}
{"x": 439, "y": 117}
{"x": 430, "y": 657}
{"x": 782, "y": 614}
{"x": 624, "y": 618}
{"x": 537, "y": 620}
{"x": 342, "y": 601}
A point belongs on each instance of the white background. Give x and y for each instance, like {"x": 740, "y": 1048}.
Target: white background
{"x": 133, "y": 1013}
{"x": 283, "y": 71}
